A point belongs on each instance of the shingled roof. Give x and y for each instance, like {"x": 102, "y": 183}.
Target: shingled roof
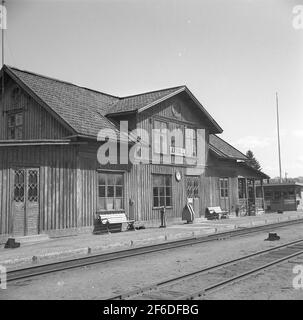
{"x": 139, "y": 101}
{"x": 81, "y": 109}
{"x": 84, "y": 111}
{"x": 223, "y": 149}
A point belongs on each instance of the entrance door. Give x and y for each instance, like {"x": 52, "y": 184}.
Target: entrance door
{"x": 251, "y": 197}
{"x": 193, "y": 192}
{"x": 25, "y": 202}
{"x": 224, "y": 194}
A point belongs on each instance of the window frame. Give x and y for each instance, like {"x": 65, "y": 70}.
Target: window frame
{"x": 224, "y": 188}
{"x": 193, "y": 187}
{"x": 165, "y": 187}
{"x": 160, "y": 142}
{"x": 106, "y": 187}
{"x": 16, "y": 126}
{"x": 194, "y": 143}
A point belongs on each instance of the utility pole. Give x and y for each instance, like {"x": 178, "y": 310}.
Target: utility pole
{"x": 2, "y": 31}
{"x": 278, "y": 129}
{"x": 2, "y": 38}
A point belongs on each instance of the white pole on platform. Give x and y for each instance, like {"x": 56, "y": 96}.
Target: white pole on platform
{"x": 278, "y": 131}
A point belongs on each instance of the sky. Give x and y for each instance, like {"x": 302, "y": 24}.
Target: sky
{"x": 233, "y": 55}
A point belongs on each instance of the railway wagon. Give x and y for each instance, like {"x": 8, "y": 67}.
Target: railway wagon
{"x": 283, "y": 196}
{"x": 53, "y": 182}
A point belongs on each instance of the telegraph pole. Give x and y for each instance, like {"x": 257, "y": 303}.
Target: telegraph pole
{"x": 2, "y": 38}
{"x": 278, "y": 130}
{"x": 2, "y": 31}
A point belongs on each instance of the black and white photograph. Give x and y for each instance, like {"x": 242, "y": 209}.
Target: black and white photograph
{"x": 151, "y": 154}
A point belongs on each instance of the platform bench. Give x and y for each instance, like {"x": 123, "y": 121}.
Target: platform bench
{"x": 215, "y": 213}
{"x": 112, "y": 222}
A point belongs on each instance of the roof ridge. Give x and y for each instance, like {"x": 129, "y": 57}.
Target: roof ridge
{"x": 153, "y": 91}
{"x": 59, "y": 80}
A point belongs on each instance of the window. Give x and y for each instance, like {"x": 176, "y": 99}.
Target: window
{"x": 277, "y": 195}
{"x": 15, "y": 125}
{"x": 160, "y": 137}
{"x": 110, "y": 191}
{"x": 285, "y": 195}
{"x": 192, "y": 187}
{"x": 242, "y": 188}
{"x": 223, "y": 187}
{"x": 162, "y": 191}
{"x": 191, "y": 142}
{"x": 292, "y": 194}
{"x": 177, "y": 140}
{"x": 32, "y": 185}
{"x": 19, "y": 186}
{"x": 16, "y": 94}
{"x": 268, "y": 195}
{"x": 259, "y": 192}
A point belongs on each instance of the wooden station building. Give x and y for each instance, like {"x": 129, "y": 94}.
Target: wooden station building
{"x": 52, "y": 183}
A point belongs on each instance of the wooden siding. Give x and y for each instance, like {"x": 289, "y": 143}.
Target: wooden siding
{"x": 37, "y": 122}
{"x": 138, "y": 187}
{"x": 216, "y": 169}
{"x": 64, "y": 190}
{"x": 189, "y": 116}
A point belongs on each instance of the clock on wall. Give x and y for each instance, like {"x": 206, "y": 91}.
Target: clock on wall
{"x": 178, "y": 176}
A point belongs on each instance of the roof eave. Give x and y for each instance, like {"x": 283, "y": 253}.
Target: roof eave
{"x": 224, "y": 155}
{"x": 212, "y": 120}
{"x": 216, "y": 127}
{"x": 121, "y": 113}
{"x": 262, "y": 174}
{"x": 244, "y": 157}
{"x": 161, "y": 100}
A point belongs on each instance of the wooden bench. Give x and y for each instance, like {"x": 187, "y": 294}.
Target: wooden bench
{"x": 112, "y": 222}
{"x": 215, "y": 213}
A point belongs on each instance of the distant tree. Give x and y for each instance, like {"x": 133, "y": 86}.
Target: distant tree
{"x": 252, "y": 161}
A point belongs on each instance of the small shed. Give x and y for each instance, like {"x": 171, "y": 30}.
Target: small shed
{"x": 286, "y": 196}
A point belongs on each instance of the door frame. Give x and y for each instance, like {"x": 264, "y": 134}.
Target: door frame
{"x": 25, "y": 167}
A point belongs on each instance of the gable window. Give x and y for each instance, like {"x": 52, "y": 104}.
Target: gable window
{"x": 15, "y": 125}
{"x": 16, "y": 94}
{"x": 191, "y": 142}
{"x": 110, "y": 191}
{"x": 160, "y": 134}
{"x": 162, "y": 193}
{"x": 223, "y": 187}
{"x": 177, "y": 136}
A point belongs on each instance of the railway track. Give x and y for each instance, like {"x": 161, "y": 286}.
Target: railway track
{"x": 204, "y": 281}
{"x": 42, "y": 269}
